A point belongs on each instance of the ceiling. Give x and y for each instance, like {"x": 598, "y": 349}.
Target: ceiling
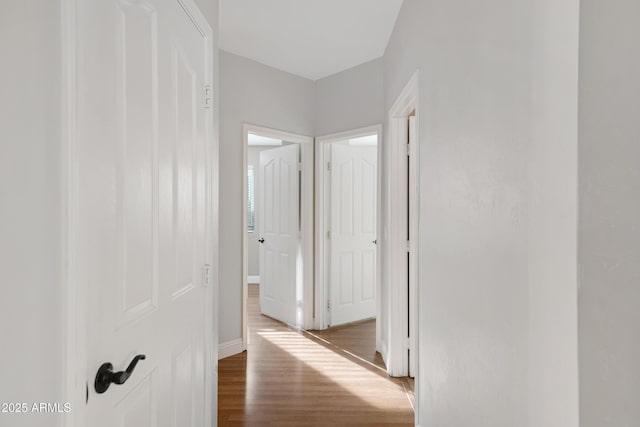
{"x": 310, "y": 38}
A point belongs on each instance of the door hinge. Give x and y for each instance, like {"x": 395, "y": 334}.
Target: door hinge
{"x": 299, "y": 166}
{"x": 407, "y": 343}
{"x": 328, "y": 305}
{"x": 408, "y": 245}
{"x": 207, "y": 274}
{"x": 328, "y": 166}
{"x": 208, "y": 96}
{"x": 329, "y": 235}
{"x": 408, "y": 149}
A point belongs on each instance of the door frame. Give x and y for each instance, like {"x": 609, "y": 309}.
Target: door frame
{"x": 306, "y": 216}
{"x": 398, "y": 215}
{"x": 322, "y": 256}
{"x": 76, "y": 377}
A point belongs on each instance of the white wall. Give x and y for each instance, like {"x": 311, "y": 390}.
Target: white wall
{"x": 253, "y": 93}
{"x": 609, "y": 235}
{"x": 31, "y": 252}
{"x": 351, "y": 99}
{"x": 553, "y": 209}
{"x": 489, "y": 325}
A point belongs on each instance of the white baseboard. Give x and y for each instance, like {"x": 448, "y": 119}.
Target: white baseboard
{"x": 230, "y": 348}
{"x": 254, "y": 279}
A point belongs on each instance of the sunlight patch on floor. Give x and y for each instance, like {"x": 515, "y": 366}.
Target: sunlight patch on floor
{"x": 339, "y": 369}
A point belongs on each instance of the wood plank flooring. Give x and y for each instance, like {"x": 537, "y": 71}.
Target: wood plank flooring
{"x": 317, "y": 378}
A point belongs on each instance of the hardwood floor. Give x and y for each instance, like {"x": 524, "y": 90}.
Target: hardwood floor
{"x": 317, "y": 378}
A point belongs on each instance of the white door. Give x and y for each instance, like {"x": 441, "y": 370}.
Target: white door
{"x": 142, "y": 245}
{"x": 353, "y": 233}
{"x": 279, "y": 216}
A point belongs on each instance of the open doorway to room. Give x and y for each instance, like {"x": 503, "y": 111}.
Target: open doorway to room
{"x": 278, "y": 224}
{"x": 291, "y": 367}
{"x": 401, "y": 247}
{"x": 347, "y": 206}
{"x": 289, "y": 372}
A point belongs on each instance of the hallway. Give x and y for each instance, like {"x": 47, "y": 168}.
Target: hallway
{"x": 328, "y": 378}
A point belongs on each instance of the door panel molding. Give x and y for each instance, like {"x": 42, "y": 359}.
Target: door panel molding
{"x": 74, "y": 306}
{"x": 281, "y": 244}
{"x": 304, "y": 317}
{"x": 74, "y": 78}
{"x": 351, "y": 214}
{"x": 322, "y": 215}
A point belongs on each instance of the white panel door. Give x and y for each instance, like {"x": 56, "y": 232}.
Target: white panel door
{"x": 353, "y": 231}
{"x": 142, "y": 210}
{"x": 279, "y": 223}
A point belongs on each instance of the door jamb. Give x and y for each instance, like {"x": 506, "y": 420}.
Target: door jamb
{"x": 396, "y": 358}
{"x": 321, "y": 259}
{"x": 304, "y": 318}
{"x": 74, "y": 298}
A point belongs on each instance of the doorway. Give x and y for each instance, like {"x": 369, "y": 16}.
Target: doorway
{"x": 347, "y": 226}
{"x": 402, "y": 250}
{"x": 278, "y": 224}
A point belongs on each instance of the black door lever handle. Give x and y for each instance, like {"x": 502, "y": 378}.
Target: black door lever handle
{"x": 261, "y": 240}
{"x": 105, "y": 376}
